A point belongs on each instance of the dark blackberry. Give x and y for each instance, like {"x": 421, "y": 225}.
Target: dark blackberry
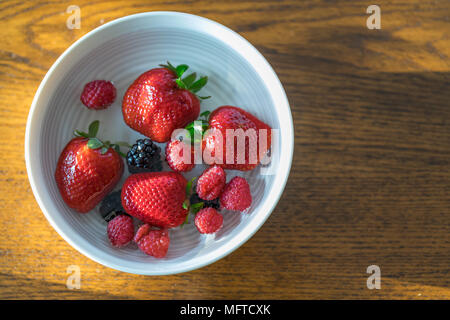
{"x": 207, "y": 203}
{"x": 144, "y": 156}
{"x": 111, "y": 206}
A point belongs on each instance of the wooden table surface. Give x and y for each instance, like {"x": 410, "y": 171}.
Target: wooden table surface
{"x": 370, "y": 180}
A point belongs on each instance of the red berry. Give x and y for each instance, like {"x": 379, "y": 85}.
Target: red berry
{"x": 236, "y": 196}
{"x": 152, "y": 242}
{"x": 230, "y": 117}
{"x": 85, "y": 176}
{"x": 155, "y": 105}
{"x": 175, "y": 156}
{"x": 211, "y": 183}
{"x": 208, "y": 220}
{"x": 156, "y": 198}
{"x": 98, "y": 94}
{"x": 120, "y": 230}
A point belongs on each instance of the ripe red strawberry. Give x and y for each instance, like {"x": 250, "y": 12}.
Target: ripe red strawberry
{"x": 156, "y": 198}
{"x": 120, "y": 230}
{"x": 87, "y": 170}
{"x": 229, "y": 117}
{"x": 208, "y": 220}
{"x": 236, "y": 196}
{"x": 152, "y": 242}
{"x": 211, "y": 183}
{"x": 98, "y": 94}
{"x": 160, "y": 101}
{"x": 175, "y": 156}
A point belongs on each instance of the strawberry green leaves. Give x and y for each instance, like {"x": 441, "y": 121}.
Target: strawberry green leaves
{"x": 181, "y": 69}
{"x": 193, "y": 208}
{"x": 197, "y": 85}
{"x": 205, "y": 115}
{"x": 96, "y": 143}
{"x": 196, "y": 207}
{"x": 93, "y": 128}
{"x": 198, "y": 127}
{"x": 189, "y": 82}
{"x": 189, "y": 187}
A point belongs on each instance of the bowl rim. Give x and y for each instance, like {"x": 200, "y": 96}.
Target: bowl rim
{"x": 282, "y": 173}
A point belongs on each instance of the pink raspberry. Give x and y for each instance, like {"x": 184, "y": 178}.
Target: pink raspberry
{"x": 175, "y": 156}
{"x": 98, "y": 94}
{"x": 120, "y": 230}
{"x": 208, "y": 220}
{"x": 211, "y": 183}
{"x": 236, "y": 195}
{"x": 152, "y": 242}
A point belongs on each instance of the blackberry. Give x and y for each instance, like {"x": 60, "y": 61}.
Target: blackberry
{"x": 144, "y": 156}
{"x": 206, "y": 203}
{"x": 111, "y": 206}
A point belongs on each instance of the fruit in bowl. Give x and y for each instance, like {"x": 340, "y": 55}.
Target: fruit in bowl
{"x": 119, "y": 52}
{"x": 88, "y": 168}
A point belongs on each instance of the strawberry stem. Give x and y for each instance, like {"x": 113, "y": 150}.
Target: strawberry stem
{"x": 189, "y": 82}
{"x": 96, "y": 143}
{"x": 200, "y": 129}
{"x": 193, "y": 208}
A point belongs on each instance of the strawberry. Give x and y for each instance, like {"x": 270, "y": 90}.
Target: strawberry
{"x": 236, "y": 196}
{"x": 87, "y": 170}
{"x": 98, "y": 94}
{"x": 175, "y": 156}
{"x": 211, "y": 183}
{"x": 229, "y": 117}
{"x": 156, "y": 198}
{"x": 160, "y": 101}
{"x": 152, "y": 242}
{"x": 208, "y": 220}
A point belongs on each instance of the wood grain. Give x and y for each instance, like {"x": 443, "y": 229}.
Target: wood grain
{"x": 370, "y": 181}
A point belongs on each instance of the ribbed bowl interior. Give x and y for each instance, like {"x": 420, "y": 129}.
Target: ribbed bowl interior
{"x": 121, "y": 58}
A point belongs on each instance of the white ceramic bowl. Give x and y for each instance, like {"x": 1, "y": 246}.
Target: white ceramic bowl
{"x": 120, "y": 51}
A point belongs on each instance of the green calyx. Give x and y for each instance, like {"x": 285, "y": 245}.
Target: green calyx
{"x": 189, "y": 82}
{"x": 197, "y": 128}
{"x": 96, "y": 143}
{"x": 193, "y": 208}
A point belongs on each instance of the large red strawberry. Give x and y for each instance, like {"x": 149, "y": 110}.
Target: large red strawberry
{"x": 156, "y": 198}
{"x": 160, "y": 101}
{"x": 229, "y": 117}
{"x": 87, "y": 170}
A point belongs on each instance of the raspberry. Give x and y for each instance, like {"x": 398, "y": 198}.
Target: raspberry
{"x": 211, "y": 183}
{"x": 236, "y": 195}
{"x": 152, "y": 242}
{"x": 175, "y": 157}
{"x": 208, "y": 220}
{"x": 98, "y": 94}
{"x": 120, "y": 230}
